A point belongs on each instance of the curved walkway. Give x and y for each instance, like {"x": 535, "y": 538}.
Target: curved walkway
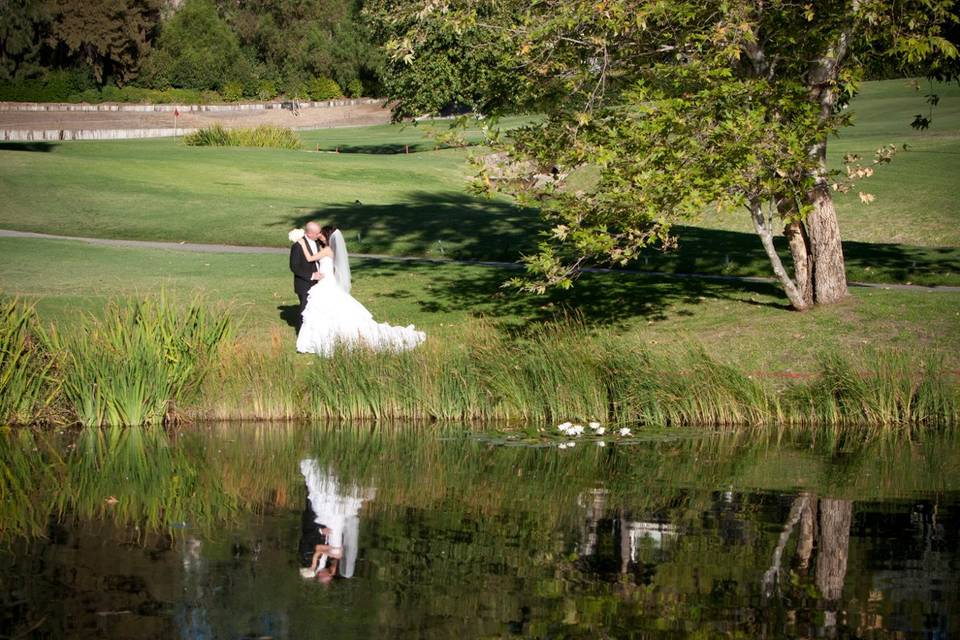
{"x": 228, "y": 248}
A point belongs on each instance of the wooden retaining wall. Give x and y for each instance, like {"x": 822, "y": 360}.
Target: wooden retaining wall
{"x": 183, "y": 108}
{"x": 36, "y": 135}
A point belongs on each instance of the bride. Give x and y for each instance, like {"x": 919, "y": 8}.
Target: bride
{"x": 333, "y": 317}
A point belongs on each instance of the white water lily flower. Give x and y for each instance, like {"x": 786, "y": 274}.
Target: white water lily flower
{"x": 571, "y": 444}
{"x": 625, "y": 432}
{"x": 562, "y": 445}
{"x": 295, "y": 235}
{"x": 601, "y": 443}
{"x": 594, "y": 425}
{"x": 600, "y": 431}
{"x": 575, "y": 430}
{"x": 563, "y": 427}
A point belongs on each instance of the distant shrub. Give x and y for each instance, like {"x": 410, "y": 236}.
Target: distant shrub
{"x": 180, "y": 96}
{"x": 55, "y": 86}
{"x": 262, "y": 136}
{"x": 233, "y": 92}
{"x": 324, "y": 89}
{"x": 111, "y": 94}
{"x": 296, "y": 89}
{"x": 266, "y": 90}
{"x": 355, "y": 88}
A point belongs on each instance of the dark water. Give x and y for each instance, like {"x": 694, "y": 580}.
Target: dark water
{"x": 143, "y": 534}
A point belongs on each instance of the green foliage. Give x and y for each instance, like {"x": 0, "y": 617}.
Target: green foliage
{"x": 53, "y": 86}
{"x": 23, "y": 25}
{"x": 296, "y": 41}
{"x": 266, "y": 90}
{"x": 196, "y": 49}
{"x": 355, "y": 88}
{"x": 324, "y": 88}
{"x": 233, "y": 92}
{"x": 110, "y": 36}
{"x": 137, "y": 364}
{"x": 27, "y": 385}
{"x": 674, "y": 109}
{"x": 262, "y": 136}
{"x": 198, "y": 44}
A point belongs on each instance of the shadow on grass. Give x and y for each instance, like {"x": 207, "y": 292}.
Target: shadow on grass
{"x": 447, "y": 224}
{"x": 456, "y": 225}
{"x": 388, "y": 149}
{"x": 596, "y": 299}
{"x": 740, "y": 254}
{"x": 288, "y": 314}
{"x": 37, "y": 147}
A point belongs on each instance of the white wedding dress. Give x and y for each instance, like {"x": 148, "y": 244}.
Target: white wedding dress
{"x": 334, "y": 318}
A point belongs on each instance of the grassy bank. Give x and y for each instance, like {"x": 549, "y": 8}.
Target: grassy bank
{"x": 154, "y": 361}
{"x": 387, "y": 201}
{"x": 745, "y": 322}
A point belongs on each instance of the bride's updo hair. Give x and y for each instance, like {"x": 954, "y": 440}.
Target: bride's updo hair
{"x": 327, "y": 231}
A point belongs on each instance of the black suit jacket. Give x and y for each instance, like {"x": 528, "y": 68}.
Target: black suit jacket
{"x": 302, "y": 270}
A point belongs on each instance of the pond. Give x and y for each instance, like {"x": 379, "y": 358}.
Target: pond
{"x": 204, "y": 533}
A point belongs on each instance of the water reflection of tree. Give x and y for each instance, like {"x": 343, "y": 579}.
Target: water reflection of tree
{"x": 466, "y": 526}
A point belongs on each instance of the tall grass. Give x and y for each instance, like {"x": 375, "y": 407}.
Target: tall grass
{"x": 563, "y": 372}
{"x": 27, "y": 385}
{"x": 261, "y": 136}
{"x": 138, "y": 362}
{"x": 152, "y": 361}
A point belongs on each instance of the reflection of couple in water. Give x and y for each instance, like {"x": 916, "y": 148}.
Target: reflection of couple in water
{"x": 331, "y": 524}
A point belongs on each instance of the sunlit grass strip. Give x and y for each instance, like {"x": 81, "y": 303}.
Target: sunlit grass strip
{"x": 27, "y": 386}
{"x": 262, "y": 136}
{"x": 564, "y": 372}
{"x": 153, "y": 361}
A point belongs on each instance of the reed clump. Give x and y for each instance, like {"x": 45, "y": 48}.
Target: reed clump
{"x": 27, "y": 386}
{"x": 138, "y": 363}
{"x": 262, "y": 136}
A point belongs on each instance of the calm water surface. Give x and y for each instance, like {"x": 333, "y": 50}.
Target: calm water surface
{"x": 141, "y": 533}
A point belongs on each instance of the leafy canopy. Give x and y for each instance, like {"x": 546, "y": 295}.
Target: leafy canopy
{"x": 655, "y": 111}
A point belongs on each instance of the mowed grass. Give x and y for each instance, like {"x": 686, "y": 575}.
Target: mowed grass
{"x": 391, "y": 202}
{"x": 743, "y": 324}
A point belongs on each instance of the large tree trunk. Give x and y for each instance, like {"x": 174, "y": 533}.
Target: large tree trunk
{"x": 808, "y": 525}
{"x": 829, "y": 273}
{"x": 833, "y": 550}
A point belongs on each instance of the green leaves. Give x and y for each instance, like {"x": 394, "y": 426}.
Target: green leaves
{"x": 655, "y": 112}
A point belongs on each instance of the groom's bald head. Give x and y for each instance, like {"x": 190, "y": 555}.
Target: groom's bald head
{"x": 312, "y": 230}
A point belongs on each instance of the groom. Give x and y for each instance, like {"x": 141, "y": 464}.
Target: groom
{"x": 305, "y": 274}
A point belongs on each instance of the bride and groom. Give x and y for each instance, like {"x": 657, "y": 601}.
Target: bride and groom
{"x": 328, "y": 315}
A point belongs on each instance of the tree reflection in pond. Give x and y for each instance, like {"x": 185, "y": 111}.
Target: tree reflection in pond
{"x": 141, "y": 533}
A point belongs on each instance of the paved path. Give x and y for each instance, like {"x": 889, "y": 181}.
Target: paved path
{"x": 228, "y": 248}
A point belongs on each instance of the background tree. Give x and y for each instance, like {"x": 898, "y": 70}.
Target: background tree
{"x": 659, "y": 112}
{"x": 24, "y": 26}
{"x": 110, "y": 36}
{"x": 198, "y": 50}
{"x": 296, "y": 41}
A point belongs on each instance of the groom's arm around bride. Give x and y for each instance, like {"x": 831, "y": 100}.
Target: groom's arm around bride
{"x": 305, "y": 275}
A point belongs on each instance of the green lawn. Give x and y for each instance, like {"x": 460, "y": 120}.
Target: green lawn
{"x": 745, "y": 324}
{"x": 416, "y": 203}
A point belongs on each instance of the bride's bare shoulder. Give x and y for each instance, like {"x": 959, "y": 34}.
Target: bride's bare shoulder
{"x": 326, "y": 251}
